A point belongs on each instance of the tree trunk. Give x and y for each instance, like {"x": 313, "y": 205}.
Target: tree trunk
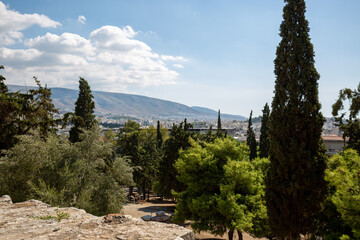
{"x": 144, "y": 190}
{"x": 240, "y": 235}
{"x": 231, "y": 234}
{"x": 148, "y": 194}
{"x": 131, "y": 191}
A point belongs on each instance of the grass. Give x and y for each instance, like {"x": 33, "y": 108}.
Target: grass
{"x": 60, "y": 215}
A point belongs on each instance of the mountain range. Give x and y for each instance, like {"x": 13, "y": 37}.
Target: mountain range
{"x": 131, "y": 105}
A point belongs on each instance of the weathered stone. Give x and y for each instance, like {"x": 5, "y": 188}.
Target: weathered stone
{"x": 146, "y": 217}
{"x": 22, "y": 221}
{"x": 160, "y": 213}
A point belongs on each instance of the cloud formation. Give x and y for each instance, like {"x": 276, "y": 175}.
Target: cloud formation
{"x": 12, "y": 22}
{"x": 110, "y": 59}
{"x": 82, "y": 19}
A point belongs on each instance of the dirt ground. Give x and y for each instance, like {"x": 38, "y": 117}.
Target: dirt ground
{"x": 142, "y": 208}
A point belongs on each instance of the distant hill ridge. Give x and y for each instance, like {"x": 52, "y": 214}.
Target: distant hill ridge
{"x": 131, "y": 105}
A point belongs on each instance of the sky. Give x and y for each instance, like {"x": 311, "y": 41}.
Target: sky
{"x": 209, "y": 53}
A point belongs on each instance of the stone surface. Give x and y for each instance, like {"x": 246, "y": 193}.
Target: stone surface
{"x": 22, "y": 221}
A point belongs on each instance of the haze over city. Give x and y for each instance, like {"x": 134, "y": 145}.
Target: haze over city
{"x": 215, "y": 54}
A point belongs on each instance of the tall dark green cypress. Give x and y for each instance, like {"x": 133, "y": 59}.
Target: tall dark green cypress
{"x": 264, "y": 136}
{"x": 159, "y": 136}
{"x": 219, "y": 128}
{"x": 84, "y": 111}
{"x": 250, "y": 139}
{"x": 295, "y": 185}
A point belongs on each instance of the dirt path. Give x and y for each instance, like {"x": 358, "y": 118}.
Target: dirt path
{"x": 142, "y": 208}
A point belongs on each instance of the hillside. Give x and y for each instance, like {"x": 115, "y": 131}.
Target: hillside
{"x": 131, "y": 105}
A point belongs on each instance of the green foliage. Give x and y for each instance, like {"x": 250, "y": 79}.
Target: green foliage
{"x": 159, "y": 137}
{"x": 219, "y": 132}
{"x": 343, "y": 175}
{"x": 264, "y": 135}
{"x": 350, "y": 126}
{"x": 331, "y": 225}
{"x": 224, "y": 190}
{"x": 250, "y": 139}
{"x": 84, "y": 175}
{"x": 141, "y": 147}
{"x": 60, "y": 215}
{"x": 22, "y": 112}
{"x": 295, "y": 186}
{"x": 179, "y": 139}
{"x": 84, "y": 117}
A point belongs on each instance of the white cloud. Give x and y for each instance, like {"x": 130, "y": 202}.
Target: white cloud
{"x": 82, "y": 19}
{"x": 173, "y": 58}
{"x": 177, "y": 65}
{"x": 12, "y": 22}
{"x": 110, "y": 59}
{"x": 66, "y": 43}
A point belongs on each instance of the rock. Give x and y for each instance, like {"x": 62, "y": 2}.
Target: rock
{"x": 146, "y": 217}
{"x": 31, "y": 220}
{"x": 160, "y": 213}
{"x": 5, "y": 199}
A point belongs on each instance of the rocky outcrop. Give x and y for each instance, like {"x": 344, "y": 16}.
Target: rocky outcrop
{"x": 36, "y": 220}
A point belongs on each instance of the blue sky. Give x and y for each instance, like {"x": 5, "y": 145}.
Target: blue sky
{"x": 215, "y": 54}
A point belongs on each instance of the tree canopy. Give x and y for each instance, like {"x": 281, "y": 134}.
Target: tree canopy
{"x": 350, "y": 126}
{"x": 21, "y": 112}
{"x": 343, "y": 175}
{"x": 250, "y": 139}
{"x": 295, "y": 185}
{"x": 84, "y": 175}
{"x": 264, "y": 133}
{"x": 83, "y": 117}
{"x": 224, "y": 190}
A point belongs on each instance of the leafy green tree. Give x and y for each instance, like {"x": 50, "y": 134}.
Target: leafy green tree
{"x": 150, "y": 158}
{"x": 22, "y": 112}
{"x": 295, "y": 186}
{"x": 83, "y": 117}
{"x": 264, "y": 136}
{"x": 179, "y": 139}
{"x": 350, "y": 126}
{"x": 343, "y": 175}
{"x": 224, "y": 190}
{"x": 140, "y": 146}
{"x": 128, "y": 146}
{"x": 83, "y": 175}
{"x": 159, "y": 137}
{"x": 250, "y": 139}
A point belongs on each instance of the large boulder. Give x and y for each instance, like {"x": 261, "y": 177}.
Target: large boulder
{"x": 36, "y": 220}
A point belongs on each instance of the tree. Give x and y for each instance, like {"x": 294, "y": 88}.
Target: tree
{"x": 350, "y": 126}
{"x": 264, "y": 136}
{"x": 140, "y": 146}
{"x": 179, "y": 139}
{"x": 219, "y": 129}
{"x": 295, "y": 186}
{"x": 159, "y": 138}
{"x": 343, "y": 175}
{"x": 250, "y": 139}
{"x": 84, "y": 117}
{"x": 128, "y": 146}
{"x": 224, "y": 190}
{"x": 22, "y": 112}
{"x": 83, "y": 175}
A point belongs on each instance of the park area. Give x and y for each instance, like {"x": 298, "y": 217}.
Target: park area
{"x": 142, "y": 208}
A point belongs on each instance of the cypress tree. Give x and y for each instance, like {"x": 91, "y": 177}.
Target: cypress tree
{"x": 264, "y": 137}
{"x": 84, "y": 111}
{"x": 295, "y": 185}
{"x": 219, "y": 129}
{"x": 159, "y": 136}
{"x": 250, "y": 139}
